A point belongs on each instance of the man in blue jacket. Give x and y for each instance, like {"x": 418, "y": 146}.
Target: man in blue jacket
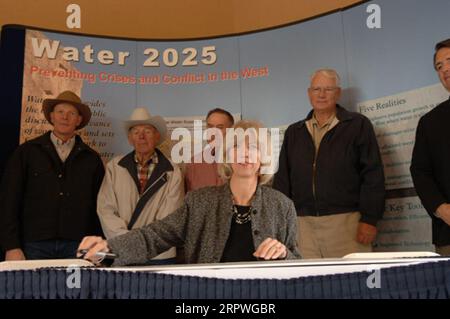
{"x": 49, "y": 188}
{"x": 430, "y": 165}
{"x": 330, "y": 166}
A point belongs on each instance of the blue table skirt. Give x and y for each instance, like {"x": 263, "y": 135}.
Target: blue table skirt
{"x": 427, "y": 280}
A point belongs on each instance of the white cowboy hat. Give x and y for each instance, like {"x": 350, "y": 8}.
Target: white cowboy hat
{"x": 141, "y": 116}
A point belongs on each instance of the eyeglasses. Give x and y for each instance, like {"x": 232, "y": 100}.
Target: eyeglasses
{"x": 328, "y": 90}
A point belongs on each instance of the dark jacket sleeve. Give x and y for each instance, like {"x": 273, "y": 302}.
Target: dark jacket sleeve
{"x": 11, "y": 198}
{"x": 99, "y": 174}
{"x": 372, "y": 190}
{"x": 97, "y": 182}
{"x": 142, "y": 244}
{"x": 281, "y": 180}
{"x": 422, "y": 172}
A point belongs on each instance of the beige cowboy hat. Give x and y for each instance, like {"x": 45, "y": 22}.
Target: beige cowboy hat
{"x": 67, "y": 97}
{"x": 141, "y": 116}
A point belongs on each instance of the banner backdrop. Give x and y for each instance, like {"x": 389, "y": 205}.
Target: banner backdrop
{"x": 386, "y": 74}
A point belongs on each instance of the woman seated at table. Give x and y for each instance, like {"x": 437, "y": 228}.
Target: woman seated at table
{"x": 217, "y": 224}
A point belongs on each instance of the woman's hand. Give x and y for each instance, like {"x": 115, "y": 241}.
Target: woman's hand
{"x": 271, "y": 249}
{"x": 91, "y": 245}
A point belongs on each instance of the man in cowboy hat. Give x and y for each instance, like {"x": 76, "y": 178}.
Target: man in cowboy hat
{"x": 49, "y": 188}
{"x": 142, "y": 186}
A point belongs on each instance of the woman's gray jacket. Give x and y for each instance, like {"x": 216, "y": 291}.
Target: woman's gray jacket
{"x": 202, "y": 226}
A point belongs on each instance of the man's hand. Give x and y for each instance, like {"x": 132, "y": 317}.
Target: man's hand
{"x": 14, "y": 254}
{"x": 443, "y": 213}
{"x": 366, "y": 233}
{"x": 271, "y": 249}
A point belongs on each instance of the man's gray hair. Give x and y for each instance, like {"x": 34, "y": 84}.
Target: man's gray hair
{"x": 328, "y": 73}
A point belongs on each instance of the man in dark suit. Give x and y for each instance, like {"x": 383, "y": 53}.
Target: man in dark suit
{"x": 430, "y": 165}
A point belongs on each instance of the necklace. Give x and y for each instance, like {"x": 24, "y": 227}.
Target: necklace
{"x": 241, "y": 218}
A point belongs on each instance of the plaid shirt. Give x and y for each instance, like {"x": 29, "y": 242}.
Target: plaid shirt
{"x": 145, "y": 170}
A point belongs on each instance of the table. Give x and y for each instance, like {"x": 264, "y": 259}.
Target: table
{"x": 332, "y": 278}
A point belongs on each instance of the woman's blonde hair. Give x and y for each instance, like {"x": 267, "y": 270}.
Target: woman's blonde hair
{"x": 224, "y": 168}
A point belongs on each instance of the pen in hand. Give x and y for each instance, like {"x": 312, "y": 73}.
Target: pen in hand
{"x": 100, "y": 254}
{"x": 96, "y": 250}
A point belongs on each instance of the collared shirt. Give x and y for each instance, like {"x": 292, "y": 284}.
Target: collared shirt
{"x": 145, "y": 170}
{"x": 318, "y": 132}
{"x": 202, "y": 174}
{"x": 62, "y": 148}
